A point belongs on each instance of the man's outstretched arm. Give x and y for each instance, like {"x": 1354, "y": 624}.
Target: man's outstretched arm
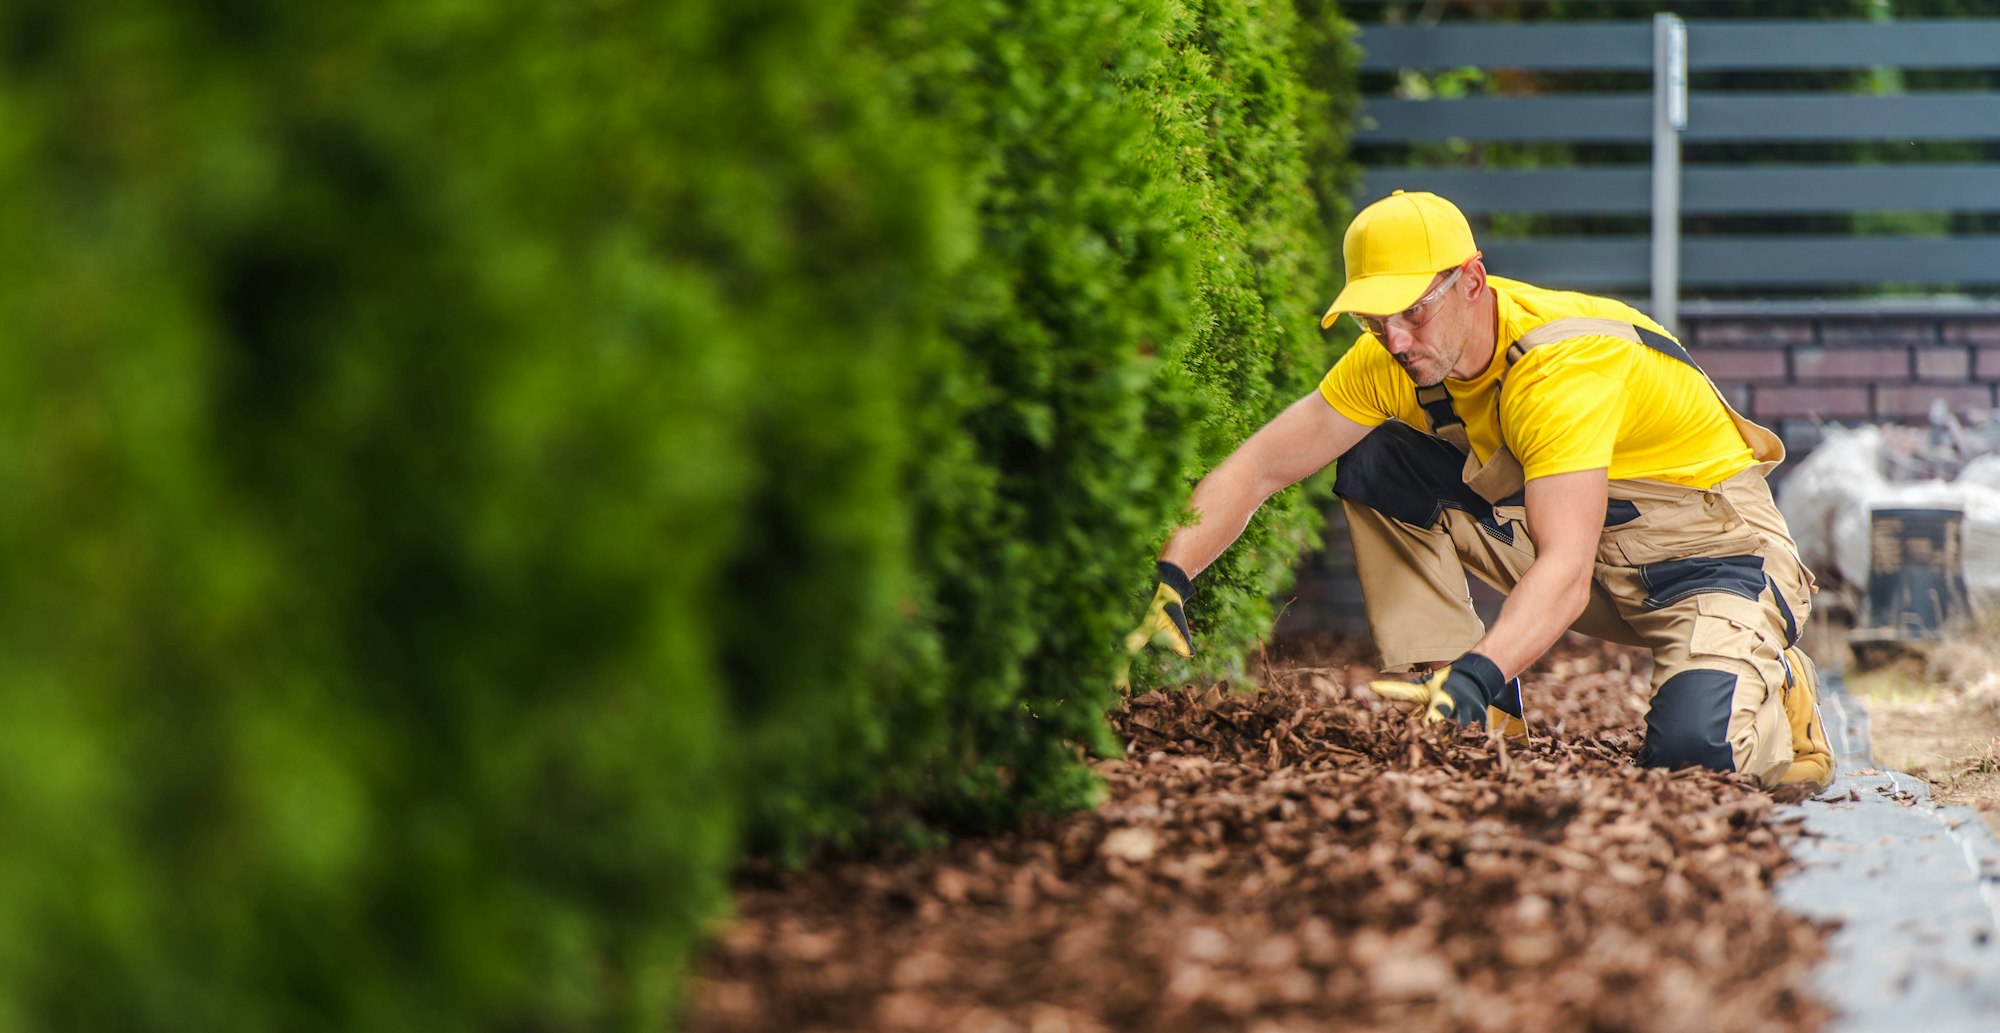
{"x": 1296, "y": 444}
{"x": 1300, "y": 441}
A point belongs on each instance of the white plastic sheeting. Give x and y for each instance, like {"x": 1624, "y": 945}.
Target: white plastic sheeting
{"x": 1829, "y": 499}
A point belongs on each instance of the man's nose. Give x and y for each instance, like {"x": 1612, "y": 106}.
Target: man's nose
{"x": 1397, "y": 339}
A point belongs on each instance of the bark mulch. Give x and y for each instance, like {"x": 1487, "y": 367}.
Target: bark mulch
{"x": 1303, "y": 858}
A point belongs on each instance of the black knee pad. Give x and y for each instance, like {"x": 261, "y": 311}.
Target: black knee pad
{"x": 1688, "y": 725}
{"x": 1403, "y": 473}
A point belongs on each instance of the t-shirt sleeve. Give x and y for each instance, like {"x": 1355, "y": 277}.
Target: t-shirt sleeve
{"x": 1354, "y": 385}
{"x": 1562, "y": 411}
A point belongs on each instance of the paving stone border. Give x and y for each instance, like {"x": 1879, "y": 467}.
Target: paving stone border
{"x": 1915, "y": 886}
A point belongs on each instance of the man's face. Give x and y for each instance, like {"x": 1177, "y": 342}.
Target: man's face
{"x": 1429, "y": 337}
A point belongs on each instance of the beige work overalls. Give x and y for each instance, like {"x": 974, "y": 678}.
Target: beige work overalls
{"x": 1708, "y": 580}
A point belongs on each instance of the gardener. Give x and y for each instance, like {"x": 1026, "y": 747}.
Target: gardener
{"x": 1566, "y": 450}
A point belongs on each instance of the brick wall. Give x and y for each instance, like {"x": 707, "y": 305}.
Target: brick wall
{"x": 1792, "y": 371}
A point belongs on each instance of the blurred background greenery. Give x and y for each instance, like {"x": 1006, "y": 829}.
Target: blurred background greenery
{"x": 479, "y": 471}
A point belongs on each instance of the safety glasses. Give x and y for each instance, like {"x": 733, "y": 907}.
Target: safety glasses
{"x": 1415, "y": 316}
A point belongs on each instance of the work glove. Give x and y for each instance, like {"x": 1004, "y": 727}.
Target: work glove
{"x": 1462, "y": 691}
{"x": 1165, "y": 622}
{"x": 1507, "y": 714}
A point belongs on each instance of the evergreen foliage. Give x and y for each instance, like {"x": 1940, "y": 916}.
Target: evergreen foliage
{"x": 476, "y": 469}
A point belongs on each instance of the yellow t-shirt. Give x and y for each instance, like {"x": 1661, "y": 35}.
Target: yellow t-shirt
{"x": 1584, "y": 403}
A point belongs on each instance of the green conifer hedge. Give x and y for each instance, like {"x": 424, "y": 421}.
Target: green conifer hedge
{"x": 475, "y": 470}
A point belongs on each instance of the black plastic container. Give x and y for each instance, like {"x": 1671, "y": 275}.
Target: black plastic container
{"x": 1916, "y": 573}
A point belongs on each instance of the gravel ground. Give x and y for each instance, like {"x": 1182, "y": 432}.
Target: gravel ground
{"x": 1303, "y": 858}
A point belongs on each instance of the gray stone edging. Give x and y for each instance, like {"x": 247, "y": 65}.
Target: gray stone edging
{"x": 1915, "y": 887}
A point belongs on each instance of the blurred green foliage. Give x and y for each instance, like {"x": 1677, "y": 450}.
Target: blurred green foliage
{"x": 474, "y": 470}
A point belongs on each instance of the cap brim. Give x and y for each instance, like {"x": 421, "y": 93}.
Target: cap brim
{"x": 1379, "y": 295}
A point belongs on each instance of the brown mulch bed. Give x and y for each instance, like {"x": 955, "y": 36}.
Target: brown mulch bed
{"x": 1303, "y": 858}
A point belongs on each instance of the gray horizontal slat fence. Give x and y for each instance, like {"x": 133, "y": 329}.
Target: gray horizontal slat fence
{"x": 1714, "y": 261}
{"x": 1566, "y": 191}
{"x": 1603, "y": 118}
{"x": 1712, "y": 46}
{"x": 1789, "y": 116}
{"x": 1706, "y": 191}
{"x": 1621, "y": 262}
{"x": 1838, "y": 188}
{"x": 1714, "y": 116}
{"x": 1598, "y": 263}
{"x": 1539, "y": 47}
{"x": 1940, "y": 43}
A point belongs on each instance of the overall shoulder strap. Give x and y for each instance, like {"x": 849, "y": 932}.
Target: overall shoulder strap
{"x": 1592, "y": 326}
{"x": 1764, "y": 445}
{"x": 1436, "y": 403}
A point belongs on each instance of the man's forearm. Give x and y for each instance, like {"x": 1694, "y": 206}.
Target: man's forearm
{"x": 1565, "y": 514}
{"x": 1305, "y": 437}
{"x": 1223, "y": 503}
{"x": 1543, "y": 604}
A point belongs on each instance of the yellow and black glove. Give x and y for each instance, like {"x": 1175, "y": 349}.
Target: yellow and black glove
{"x": 1165, "y": 622}
{"x": 1507, "y": 712}
{"x": 1461, "y": 691}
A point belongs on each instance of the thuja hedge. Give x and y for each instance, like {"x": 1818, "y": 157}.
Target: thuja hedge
{"x": 474, "y": 471}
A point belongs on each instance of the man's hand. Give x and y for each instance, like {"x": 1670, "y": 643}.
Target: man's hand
{"x": 1165, "y": 621}
{"x": 1507, "y": 712}
{"x": 1460, "y": 691}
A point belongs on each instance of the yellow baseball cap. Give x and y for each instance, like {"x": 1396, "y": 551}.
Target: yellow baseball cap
{"x": 1394, "y": 248}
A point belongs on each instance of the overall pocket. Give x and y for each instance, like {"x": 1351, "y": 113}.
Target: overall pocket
{"x": 1682, "y": 529}
{"x": 1728, "y": 626}
{"x": 1669, "y": 581}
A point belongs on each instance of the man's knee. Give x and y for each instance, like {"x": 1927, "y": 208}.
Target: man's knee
{"x": 1403, "y": 473}
{"x": 1688, "y": 725}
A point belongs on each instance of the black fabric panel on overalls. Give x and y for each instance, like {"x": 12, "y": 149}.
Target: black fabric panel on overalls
{"x": 1688, "y": 722}
{"x": 1785, "y": 611}
{"x": 1669, "y": 581}
{"x": 1408, "y": 475}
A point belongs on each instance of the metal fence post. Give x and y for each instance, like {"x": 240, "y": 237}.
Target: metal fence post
{"x": 1669, "y": 119}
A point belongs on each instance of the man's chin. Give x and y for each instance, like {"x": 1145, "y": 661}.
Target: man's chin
{"x": 1419, "y": 380}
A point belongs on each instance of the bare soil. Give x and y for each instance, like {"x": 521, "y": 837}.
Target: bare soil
{"x": 1935, "y": 713}
{"x": 1306, "y": 858}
